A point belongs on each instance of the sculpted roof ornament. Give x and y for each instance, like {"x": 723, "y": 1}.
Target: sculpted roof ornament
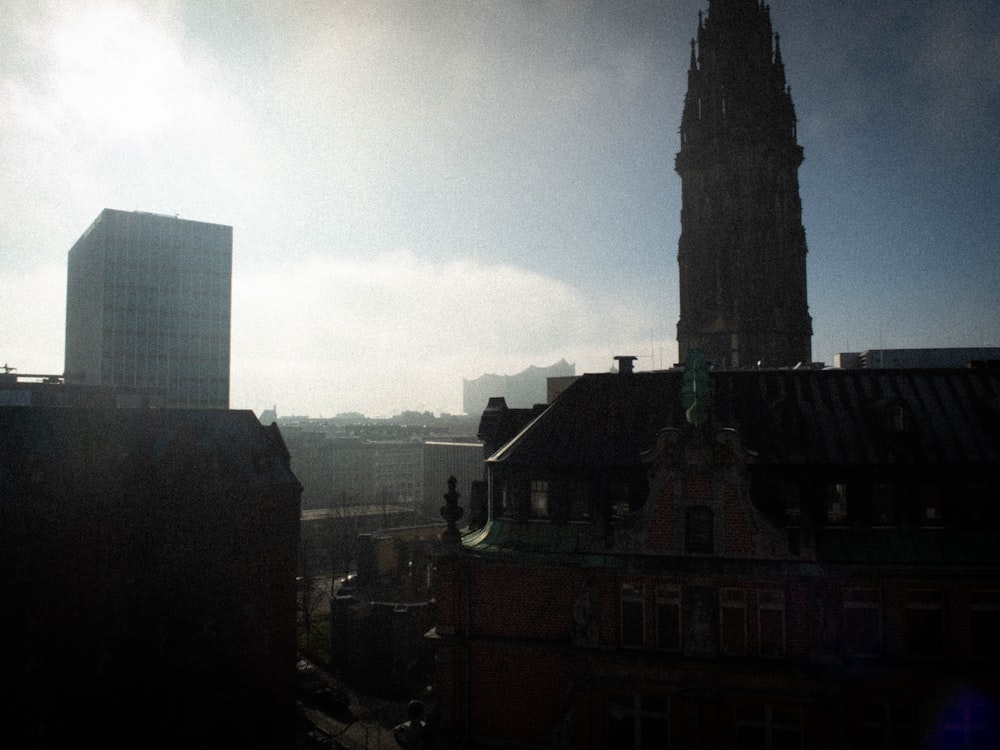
{"x": 696, "y": 393}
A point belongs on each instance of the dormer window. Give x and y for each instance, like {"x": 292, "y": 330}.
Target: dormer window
{"x": 699, "y": 530}
{"x": 539, "y": 498}
{"x": 836, "y": 503}
{"x": 894, "y": 416}
{"x": 931, "y": 496}
{"x": 785, "y": 417}
{"x": 504, "y": 502}
{"x": 792, "y": 507}
{"x": 898, "y": 418}
{"x": 883, "y": 507}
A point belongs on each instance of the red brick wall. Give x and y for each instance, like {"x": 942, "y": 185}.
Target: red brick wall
{"x": 523, "y": 602}
{"x": 519, "y": 692}
{"x": 737, "y": 538}
{"x": 661, "y": 534}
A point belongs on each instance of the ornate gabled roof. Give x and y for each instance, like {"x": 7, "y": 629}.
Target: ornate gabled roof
{"x": 784, "y": 417}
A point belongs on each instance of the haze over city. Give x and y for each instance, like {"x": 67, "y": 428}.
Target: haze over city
{"x": 422, "y": 193}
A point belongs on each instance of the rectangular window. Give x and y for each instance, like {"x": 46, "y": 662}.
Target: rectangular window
{"x": 883, "y": 508}
{"x": 899, "y": 419}
{"x": 768, "y": 728}
{"x": 791, "y": 503}
{"x": 699, "y": 530}
{"x": 633, "y": 612}
{"x": 836, "y": 503}
{"x": 733, "y": 621}
{"x": 977, "y": 502}
{"x": 984, "y": 621}
{"x": 668, "y": 619}
{"x": 863, "y": 622}
{"x": 638, "y": 722}
{"x": 539, "y": 499}
{"x": 888, "y": 727}
{"x": 924, "y": 623}
{"x": 771, "y": 616}
{"x": 506, "y": 506}
{"x": 931, "y": 495}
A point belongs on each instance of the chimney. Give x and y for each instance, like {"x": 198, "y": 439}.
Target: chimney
{"x": 625, "y": 364}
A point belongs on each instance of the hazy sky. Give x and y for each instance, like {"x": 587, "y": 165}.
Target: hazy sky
{"x": 428, "y": 191}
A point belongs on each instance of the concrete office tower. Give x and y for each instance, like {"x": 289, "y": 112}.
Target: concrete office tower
{"x": 148, "y": 304}
{"x": 742, "y": 250}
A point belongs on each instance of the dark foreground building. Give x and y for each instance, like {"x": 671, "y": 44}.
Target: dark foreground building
{"x": 742, "y": 249}
{"x": 148, "y": 588}
{"x": 735, "y": 559}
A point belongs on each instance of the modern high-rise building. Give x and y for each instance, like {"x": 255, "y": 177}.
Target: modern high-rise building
{"x": 742, "y": 250}
{"x": 148, "y": 304}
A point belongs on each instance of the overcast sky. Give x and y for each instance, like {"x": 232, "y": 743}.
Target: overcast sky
{"x": 428, "y": 191}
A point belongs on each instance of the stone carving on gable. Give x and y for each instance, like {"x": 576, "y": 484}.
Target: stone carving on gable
{"x": 699, "y": 501}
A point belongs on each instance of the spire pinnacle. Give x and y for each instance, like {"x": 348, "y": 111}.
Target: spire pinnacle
{"x": 694, "y": 61}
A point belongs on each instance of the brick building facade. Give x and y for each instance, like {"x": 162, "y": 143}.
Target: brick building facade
{"x": 813, "y": 564}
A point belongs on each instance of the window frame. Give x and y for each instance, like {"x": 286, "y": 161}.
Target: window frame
{"x": 775, "y": 603}
{"x": 855, "y": 602}
{"x": 699, "y": 530}
{"x": 539, "y": 497}
{"x": 621, "y": 707}
{"x": 732, "y": 600}
{"x": 677, "y": 641}
{"x": 890, "y": 722}
{"x": 924, "y": 600}
{"x": 632, "y": 595}
{"x": 883, "y": 497}
{"x": 837, "y": 495}
{"x": 984, "y": 603}
{"x": 768, "y": 722}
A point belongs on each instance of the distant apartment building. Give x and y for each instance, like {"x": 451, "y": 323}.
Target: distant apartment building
{"x": 339, "y": 472}
{"x": 523, "y": 390}
{"x": 25, "y": 389}
{"x": 910, "y": 358}
{"x": 148, "y": 305}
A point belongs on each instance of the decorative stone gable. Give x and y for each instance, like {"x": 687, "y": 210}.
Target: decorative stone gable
{"x": 699, "y": 501}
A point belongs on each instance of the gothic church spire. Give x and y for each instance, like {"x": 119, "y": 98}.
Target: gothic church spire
{"x": 742, "y": 248}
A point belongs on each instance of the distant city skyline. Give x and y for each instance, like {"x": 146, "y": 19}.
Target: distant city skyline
{"x": 425, "y": 194}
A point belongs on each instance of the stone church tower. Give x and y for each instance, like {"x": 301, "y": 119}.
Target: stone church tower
{"x": 742, "y": 250}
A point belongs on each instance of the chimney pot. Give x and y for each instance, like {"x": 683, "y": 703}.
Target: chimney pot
{"x": 626, "y": 363}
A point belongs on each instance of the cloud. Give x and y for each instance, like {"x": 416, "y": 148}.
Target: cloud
{"x": 33, "y": 318}
{"x": 347, "y": 335}
{"x": 956, "y": 63}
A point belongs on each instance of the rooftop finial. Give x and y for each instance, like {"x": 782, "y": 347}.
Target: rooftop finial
{"x": 451, "y": 512}
{"x": 696, "y": 393}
